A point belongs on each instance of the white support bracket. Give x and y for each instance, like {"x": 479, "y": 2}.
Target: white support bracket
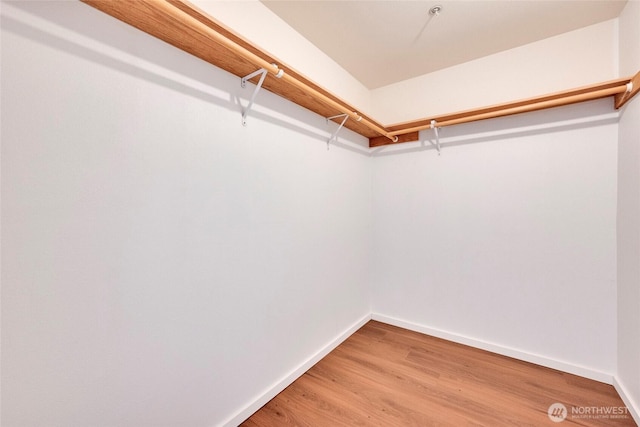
{"x": 263, "y": 73}
{"x": 334, "y": 135}
{"x": 435, "y": 129}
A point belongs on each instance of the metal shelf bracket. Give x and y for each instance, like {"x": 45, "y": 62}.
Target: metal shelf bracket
{"x": 263, "y": 73}
{"x": 334, "y": 135}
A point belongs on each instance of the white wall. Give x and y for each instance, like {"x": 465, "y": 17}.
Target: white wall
{"x": 628, "y": 243}
{"x": 569, "y": 60}
{"x": 507, "y": 240}
{"x": 162, "y": 265}
{"x": 258, "y": 24}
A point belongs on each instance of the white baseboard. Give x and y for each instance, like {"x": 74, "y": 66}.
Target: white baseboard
{"x": 625, "y": 396}
{"x": 270, "y": 393}
{"x": 499, "y": 349}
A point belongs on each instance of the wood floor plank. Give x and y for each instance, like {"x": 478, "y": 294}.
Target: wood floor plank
{"x": 387, "y": 376}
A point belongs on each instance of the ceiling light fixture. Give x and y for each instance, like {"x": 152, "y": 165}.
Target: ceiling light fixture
{"x": 435, "y": 10}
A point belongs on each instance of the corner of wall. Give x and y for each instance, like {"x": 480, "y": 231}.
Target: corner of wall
{"x": 627, "y": 377}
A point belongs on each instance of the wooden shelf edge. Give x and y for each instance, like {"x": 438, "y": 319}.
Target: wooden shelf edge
{"x": 622, "y": 98}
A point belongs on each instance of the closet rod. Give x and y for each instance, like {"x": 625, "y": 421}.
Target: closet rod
{"x": 507, "y": 111}
{"x": 176, "y": 13}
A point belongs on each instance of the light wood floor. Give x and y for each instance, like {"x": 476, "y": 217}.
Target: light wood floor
{"x": 388, "y": 376}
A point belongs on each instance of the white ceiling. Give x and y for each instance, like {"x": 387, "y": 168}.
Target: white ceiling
{"x": 383, "y": 42}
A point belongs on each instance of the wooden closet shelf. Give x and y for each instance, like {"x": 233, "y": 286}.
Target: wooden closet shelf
{"x": 616, "y": 88}
{"x": 184, "y": 26}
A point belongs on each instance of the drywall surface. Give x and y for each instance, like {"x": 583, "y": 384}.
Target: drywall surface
{"x": 628, "y": 250}
{"x": 569, "y": 60}
{"x": 628, "y": 243}
{"x": 629, "y": 38}
{"x": 263, "y": 28}
{"x": 162, "y": 264}
{"x": 508, "y": 238}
